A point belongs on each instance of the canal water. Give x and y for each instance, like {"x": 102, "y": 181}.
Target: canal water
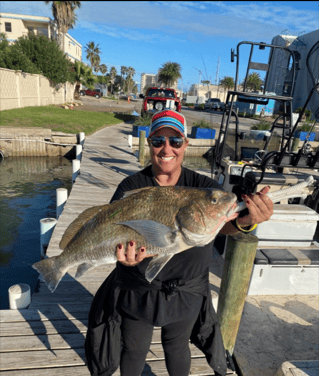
{"x": 27, "y": 194}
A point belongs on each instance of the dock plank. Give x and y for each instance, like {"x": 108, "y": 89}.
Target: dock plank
{"x": 48, "y": 338}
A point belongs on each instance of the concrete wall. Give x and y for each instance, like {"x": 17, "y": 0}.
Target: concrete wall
{"x": 36, "y": 142}
{"x": 19, "y": 89}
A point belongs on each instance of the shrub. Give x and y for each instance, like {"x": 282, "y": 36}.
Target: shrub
{"x": 143, "y": 121}
{"x": 202, "y": 124}
{"x": 306, "y": 127}
{"x": 307, "y": 112}
{"x": 261, "y": 126}
{"x": 47, "y": 56}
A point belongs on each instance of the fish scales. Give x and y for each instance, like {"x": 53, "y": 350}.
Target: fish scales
{"x": 166, "y": 220}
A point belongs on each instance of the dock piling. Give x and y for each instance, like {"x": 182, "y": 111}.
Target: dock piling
{"x": 75, "y": 169}
{"x": 141, "y": 153}
{"x": 61, "y": 198}
{"x": 19, "y": 296}
{"x": 46, "y": 228}
{"x": 239, "y": 260}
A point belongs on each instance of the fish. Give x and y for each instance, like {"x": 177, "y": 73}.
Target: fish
{"x": 165, "y": 220}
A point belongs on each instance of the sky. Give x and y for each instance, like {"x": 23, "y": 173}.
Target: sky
{"x": 199, "y": 35}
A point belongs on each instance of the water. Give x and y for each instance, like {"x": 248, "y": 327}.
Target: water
{"x": 27, "y": 194}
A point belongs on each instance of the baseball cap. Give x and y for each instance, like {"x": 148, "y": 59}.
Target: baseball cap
{"x": 171, "y": 119}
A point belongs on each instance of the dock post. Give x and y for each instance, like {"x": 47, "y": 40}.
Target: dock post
{"x": 78, "y": 152}
{"x": 61, "y": 197}
{"x": 239, "y": 261}
{"x": 75, "y": 169}
{"x": 46, "y": 228}
{"x": 81, "y": 138}
{"x": 141, "y": 153}
{"x": 19, "y": 296}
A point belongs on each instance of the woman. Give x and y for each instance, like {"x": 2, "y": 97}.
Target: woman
{"x": 177, "y": 297}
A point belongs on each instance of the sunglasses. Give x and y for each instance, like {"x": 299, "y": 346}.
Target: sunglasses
{"x": 159, "y": 141}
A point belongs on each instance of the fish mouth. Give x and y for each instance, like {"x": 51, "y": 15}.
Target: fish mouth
{"x": 232, "y": 208}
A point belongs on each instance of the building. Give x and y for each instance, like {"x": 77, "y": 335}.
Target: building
{"x": 148, "y": 80}
{"x": 18, "y": 25}
{"x": 281, "y": 83}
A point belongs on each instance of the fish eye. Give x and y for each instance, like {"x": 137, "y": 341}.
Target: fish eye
{"x": 214, "y": 201}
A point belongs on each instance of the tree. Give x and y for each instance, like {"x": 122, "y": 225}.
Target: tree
{"x": 227, "y": 83}
{"x": 169, "y": 73}
{"x": 129, "y": 78}
{"x": 92, "y": 53}
{"x": 123, "y": 73}
{"x": 103, "y": 70}
{"x": 83, "y": 75}
{"x": 113, "y": 74}
{"x": 96, "y": 64}
{"x": 254, "y": 81}
{"x": 64, "y": 17}
{"x": 13, "y": 57}
{"x": 47, "y": 56}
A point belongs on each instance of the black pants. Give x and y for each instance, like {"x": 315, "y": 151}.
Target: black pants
{"x": 137, "y": 336}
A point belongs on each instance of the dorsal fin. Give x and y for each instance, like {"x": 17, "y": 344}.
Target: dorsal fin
{"x": 135, "y": 191}
{"x": 75, "y": 226}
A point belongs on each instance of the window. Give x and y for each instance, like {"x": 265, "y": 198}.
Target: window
{"x": 8, "y": 27}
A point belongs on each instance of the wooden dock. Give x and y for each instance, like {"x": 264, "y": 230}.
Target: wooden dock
{"x": 48, "y": 337}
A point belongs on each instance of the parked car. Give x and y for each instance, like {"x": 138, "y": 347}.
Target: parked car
{"x": 155, "y": 100}
{"x": 92, "y": 93}
{"x": 214, "y": 104}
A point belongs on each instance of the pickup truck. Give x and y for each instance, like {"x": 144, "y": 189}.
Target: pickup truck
{"x": 214, "y": 104}
{"x": 156, "y": 97}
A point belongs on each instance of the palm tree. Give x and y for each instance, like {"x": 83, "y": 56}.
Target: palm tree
{"x": 123, "y": 73}
{"x": 64, "y": 17}
{"x": 84, "y": 76}
{"x": 130, "y": 74}
{"x": 227, "y": 83}
{"x": 96, "y": 64}
{"x": 169, "y": 73}
{"x": 254, "y": 81}
{"x": 103, "y": 70}
{"x": 113, "y": 74}
{"x": 92, "y": 52}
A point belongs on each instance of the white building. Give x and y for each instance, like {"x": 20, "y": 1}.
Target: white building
{"x": 18, "y": 25}
{"x": 148, "y": 80}
{"x": 303, "y": 84}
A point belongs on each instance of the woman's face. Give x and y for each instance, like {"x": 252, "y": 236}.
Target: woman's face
{"x": 167, "y": 159}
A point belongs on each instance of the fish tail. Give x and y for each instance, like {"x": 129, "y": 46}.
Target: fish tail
{"x": 52, "y": 271}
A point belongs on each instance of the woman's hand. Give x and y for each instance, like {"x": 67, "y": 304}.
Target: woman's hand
{"x": 130, "y": 257}
{"x": 260, "y": 208}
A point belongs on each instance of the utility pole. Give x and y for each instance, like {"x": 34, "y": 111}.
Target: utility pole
{"x": 217, "y": 72}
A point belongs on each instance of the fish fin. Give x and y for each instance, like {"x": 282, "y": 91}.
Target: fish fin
{"x": 156, "y": 233}
{"x": 83, "y": 268}
{"x": 156, "y": 265}
{"x": 75, "y": 226}
{"x": 135, "y": 191}
{"x": 51, "y": 270}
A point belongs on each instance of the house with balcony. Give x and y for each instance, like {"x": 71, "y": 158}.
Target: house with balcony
{"x": 17, "y": 25}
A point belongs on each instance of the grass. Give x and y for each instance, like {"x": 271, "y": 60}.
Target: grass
{"x": 59, "y": 119}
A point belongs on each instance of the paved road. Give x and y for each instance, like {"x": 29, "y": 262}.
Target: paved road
{"x": 106, "y": 105}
